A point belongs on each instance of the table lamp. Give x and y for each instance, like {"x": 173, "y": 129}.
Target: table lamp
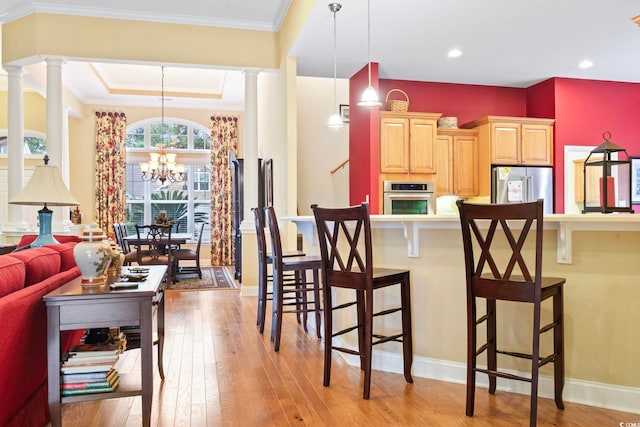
{"x": 45, "y": 187}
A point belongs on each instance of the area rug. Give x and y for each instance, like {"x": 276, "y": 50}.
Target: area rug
{"x": 212, "y": 278}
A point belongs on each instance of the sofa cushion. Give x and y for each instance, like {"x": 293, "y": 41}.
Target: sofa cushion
{"x": 65, "y": 250}
{"x": 12, "y": 274}
{"x": 39, "y": 263}
{"x": 25, "y": 340}
{"x": 27, "y": 239}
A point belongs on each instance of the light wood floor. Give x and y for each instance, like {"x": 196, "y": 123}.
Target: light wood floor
{"x": 222, "y": 372}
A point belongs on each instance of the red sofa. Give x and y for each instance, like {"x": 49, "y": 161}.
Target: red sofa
{"x": 25, "y": 277}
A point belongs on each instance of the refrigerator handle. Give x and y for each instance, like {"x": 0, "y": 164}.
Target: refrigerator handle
{"x": 529, "y": 188}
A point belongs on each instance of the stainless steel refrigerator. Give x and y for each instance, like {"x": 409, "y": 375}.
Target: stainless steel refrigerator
{"x": 516, "y": 184}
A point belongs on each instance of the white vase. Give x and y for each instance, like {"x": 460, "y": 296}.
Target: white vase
{"x": 93, "y": 256}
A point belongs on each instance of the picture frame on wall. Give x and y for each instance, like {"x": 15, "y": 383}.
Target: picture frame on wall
{"x": 635, "y": 180}
{"x": 344, "y": 113}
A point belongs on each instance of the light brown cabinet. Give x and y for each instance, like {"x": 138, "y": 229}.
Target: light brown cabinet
{"x": 516, "y": 140}
{"x": 457, "y": 162}
{"x": 407, "y": 142}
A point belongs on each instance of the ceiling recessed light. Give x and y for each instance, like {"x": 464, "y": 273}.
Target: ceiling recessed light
{"x": 454, "y": 53}
{"x": 586, "y": 64}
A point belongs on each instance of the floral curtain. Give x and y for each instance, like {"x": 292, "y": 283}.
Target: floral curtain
{"x": 110, "y": 196}
{"x": 224, "y": 138}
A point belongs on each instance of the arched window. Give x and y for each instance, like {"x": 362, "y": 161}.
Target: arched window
{"x": 187, "y": 202}
{"x": 34, "y": 142}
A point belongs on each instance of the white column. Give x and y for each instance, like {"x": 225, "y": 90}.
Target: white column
{"x": 250, "y": 143}
{"x": 15, "y": 143}
{"x": 56, "y": 128}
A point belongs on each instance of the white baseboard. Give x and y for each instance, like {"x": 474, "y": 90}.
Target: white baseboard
{"x": 615, "y": 397}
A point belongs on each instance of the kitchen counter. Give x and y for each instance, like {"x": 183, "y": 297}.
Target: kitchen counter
{"x": 565, "y": 225}
{"x": 598, "y": 254}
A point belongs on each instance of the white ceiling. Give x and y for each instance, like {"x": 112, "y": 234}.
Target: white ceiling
{"x": 504, "y": 43}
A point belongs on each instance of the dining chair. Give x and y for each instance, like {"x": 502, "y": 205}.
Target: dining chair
{"x": 180, "y": 254}
{"x": 519, "y": 279}
{"x": 120, "y": 231}
{"x": 158, "y": 246}
{"x": 347, "y": 263}
{"x": 292, "y": 299}
{"x": 265, "y": 259}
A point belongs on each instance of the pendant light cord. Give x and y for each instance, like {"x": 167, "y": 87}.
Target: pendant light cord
{"x": 335, "y": 57}
{"x": 162, "y": 103}
{"x": 369, "y": 38}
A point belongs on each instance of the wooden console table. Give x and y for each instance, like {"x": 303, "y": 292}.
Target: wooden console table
{"x": 73, "y": 307}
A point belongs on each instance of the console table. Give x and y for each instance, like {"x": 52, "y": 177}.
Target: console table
{"x": 75, "y": 307}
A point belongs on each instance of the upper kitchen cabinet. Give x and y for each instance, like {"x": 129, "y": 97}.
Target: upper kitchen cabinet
{"x": 408, "y": 142}
{"x": 457, "y": 162}
{"x": 516, "y": 140}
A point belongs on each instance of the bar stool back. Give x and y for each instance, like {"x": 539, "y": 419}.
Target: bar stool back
{"x": 292, "y": 299}
{"x": 519, "y": 279}
{"x": 343, "y": 233}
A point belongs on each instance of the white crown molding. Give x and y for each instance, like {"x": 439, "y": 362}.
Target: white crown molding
{"x": 104, "y": 12}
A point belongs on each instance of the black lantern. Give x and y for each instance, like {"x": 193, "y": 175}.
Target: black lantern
{"x": 607, "y": 179}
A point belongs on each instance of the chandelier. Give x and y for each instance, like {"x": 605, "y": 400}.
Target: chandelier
{"x": 162, "y": 166}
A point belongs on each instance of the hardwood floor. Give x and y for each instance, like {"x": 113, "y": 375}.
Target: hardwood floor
{"x": 221, "y": 372}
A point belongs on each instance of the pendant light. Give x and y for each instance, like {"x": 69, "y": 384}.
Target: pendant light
{"x": 369, "y": 96}
{"x": 335, "y": 121}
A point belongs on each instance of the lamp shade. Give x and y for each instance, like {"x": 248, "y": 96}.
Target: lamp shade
{"x": 45, "y": 187}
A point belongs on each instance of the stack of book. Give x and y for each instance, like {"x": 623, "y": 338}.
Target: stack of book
{"x": 89, "y": 368}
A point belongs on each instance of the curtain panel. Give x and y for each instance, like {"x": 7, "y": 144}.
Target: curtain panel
{"x": 111, "y": 158}
{"x": 224, "y": 138}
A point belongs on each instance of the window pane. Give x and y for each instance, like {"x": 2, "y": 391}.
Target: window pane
{"x": 36, "y": 145}
{"x": 201, "y": 178}
{"x": 135, "y": 215}
{"x": 135, "y": 185}
{"x": 167, "y": 198}
{"x": 201, "y": 140}
{"x": 135, "y": 137}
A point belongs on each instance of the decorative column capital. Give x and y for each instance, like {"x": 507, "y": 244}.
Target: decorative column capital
{"x": 251, "y": 72}
{"x": 14, "y": 70}
{"x": 53, "y": 60}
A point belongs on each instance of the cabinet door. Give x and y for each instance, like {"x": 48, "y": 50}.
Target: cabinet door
{"x": 537, "y": 145}
{"x": 444, "y": 164}
{"x": 465, "y": 159}
{"x": 505, "y": 143}
{"x": 394, "y": 145}
{"x": 422, "y": 143}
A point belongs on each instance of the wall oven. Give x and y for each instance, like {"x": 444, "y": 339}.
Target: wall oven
{"x": 408, "y": 198}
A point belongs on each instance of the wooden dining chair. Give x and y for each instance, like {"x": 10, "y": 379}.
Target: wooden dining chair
{"x": 120, "y": 231}
{"x": 183, "y": 254}
{"x": 519, "y": 278}
{"x": 347, "y": 262}
{"x": 293, "y": 299}
{"x": 158, "y": 248}
{"x": 265, "y": 259}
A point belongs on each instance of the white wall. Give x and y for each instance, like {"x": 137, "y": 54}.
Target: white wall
{"x": 321, "y": 149}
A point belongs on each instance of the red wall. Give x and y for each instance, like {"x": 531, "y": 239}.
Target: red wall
{"x": 364, "y": 162}
{"x": 466, "y": 102}
{"x": 583, "y": 110}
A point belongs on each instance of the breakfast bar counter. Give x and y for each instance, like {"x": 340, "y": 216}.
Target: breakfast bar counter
{"x": 598, "y": 254}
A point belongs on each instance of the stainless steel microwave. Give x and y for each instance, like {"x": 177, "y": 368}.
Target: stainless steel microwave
{"x": 408, "y": 198}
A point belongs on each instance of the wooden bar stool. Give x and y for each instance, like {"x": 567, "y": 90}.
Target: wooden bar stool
{"x": 299, "y": 265}
{"x": 343, "y": 233}
{"x": 480, "y": 228}
{"x": 264, "y": 278}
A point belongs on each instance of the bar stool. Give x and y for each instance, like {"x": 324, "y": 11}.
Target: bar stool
{"x": 342, "y": 233}
{"x": 299, "y": 265}
{"x": 480, "y": 228}
{"x": 264, "y": 278}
